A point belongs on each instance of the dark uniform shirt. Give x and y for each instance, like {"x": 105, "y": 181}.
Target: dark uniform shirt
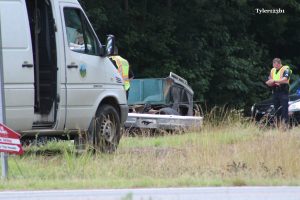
{"x": 286, "y": 73}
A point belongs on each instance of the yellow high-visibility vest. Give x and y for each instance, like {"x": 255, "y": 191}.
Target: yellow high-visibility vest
{"x": 277, "y": 76}
{"x": 123, "y": 68}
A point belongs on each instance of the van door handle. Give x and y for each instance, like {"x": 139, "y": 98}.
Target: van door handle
{"x": 72, "y": 66}
{"x": 27, "y": 65}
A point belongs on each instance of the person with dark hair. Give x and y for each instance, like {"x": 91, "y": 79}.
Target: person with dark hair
{"x": 279, "y": 80}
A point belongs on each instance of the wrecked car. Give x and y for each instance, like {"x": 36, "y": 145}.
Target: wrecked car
{"x": 162, "y": 103}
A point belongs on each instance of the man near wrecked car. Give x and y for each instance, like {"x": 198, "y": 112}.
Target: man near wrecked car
{"x": 279, "y": 79}
{"x": 124, "y": 69}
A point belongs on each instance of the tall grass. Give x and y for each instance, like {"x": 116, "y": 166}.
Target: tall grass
{"x": 231, "y": 152}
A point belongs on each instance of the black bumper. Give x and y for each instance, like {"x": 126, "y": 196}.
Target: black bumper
{"x": 123, "y": 113}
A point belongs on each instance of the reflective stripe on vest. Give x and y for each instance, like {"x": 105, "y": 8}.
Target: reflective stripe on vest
{"x": 123, "y": 68}
{"x": 277, "y": 76}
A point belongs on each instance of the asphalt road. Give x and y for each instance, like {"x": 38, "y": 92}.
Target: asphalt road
{"x": 205, "y": 193}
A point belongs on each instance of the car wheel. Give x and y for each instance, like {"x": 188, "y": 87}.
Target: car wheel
{"x": 106, "y": 129}
{"x": 267, "y": 121}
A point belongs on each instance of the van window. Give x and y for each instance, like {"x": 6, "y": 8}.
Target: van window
{"x": 14, "y": 34}
{"x": 79, "y": 33}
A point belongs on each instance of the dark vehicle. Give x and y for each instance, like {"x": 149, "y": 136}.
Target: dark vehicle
{"x": 266, "y": 108}
{"x": 161, "y": 103}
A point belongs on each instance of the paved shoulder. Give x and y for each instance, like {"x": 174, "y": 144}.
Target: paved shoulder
{"x": 205, "y": 193}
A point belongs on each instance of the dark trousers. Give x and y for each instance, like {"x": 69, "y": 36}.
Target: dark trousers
{"x": 281, "y": 105}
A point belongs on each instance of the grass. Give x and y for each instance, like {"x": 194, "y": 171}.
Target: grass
{"x": 232, "y": 153}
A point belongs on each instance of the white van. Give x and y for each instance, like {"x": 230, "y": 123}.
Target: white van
{"x": 57, "y": 76}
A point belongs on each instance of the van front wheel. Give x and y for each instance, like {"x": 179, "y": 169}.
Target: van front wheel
{"x": 106, "y": 129}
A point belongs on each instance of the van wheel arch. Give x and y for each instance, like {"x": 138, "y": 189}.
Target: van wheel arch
{"x": 108, "y": 111}
{"x": 110, "y": 101}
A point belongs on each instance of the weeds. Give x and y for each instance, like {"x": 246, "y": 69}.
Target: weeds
{"x": 236, "y": 167}
{"x": 234, "y": 153}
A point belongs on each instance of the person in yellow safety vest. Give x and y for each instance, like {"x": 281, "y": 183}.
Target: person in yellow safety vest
{"x": 279, "y": 80}
{"x": 124, "y": 69}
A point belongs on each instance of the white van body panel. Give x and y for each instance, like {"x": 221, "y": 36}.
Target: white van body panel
{"x": 83, "y": 91}
{"x": 79, "y": 94}
{"x": 17, "y": 50}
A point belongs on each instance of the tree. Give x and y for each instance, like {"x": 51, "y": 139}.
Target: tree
{"x": 223, "y": 48}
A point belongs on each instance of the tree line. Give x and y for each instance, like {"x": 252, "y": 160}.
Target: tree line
{"x": 224, "y": 48}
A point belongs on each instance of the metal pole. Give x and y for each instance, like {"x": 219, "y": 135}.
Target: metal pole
{"x": 2, "y": 108}
{"x": 4, "y": 161}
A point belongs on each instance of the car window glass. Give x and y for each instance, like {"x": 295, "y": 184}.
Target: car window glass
{"x": 79, "y": 33}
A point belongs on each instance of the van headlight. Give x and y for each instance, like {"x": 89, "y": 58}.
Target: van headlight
{"x": 294, "y": 107}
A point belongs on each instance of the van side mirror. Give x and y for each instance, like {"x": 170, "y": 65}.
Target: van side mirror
{"x": 110, "y": 45}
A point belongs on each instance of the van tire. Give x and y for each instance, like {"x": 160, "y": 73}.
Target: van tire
{"x": 106, "y": 129}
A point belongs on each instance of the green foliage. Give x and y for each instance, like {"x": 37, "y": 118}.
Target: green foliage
{"x": 223, "y": 48}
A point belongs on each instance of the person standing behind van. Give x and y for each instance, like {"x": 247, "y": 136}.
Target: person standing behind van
{"x": 124, "y": 69}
